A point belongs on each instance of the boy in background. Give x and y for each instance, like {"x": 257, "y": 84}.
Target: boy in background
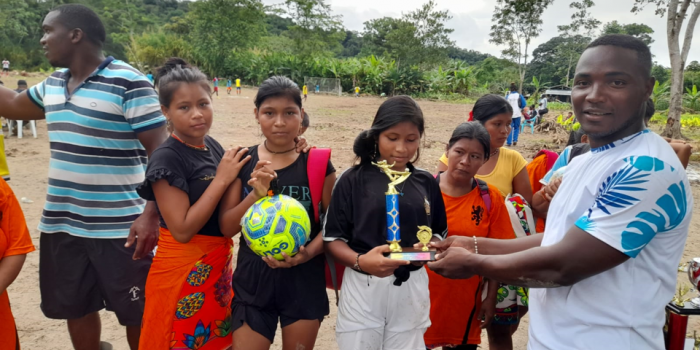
{"x": 228, "y": 87}
{"x": 238, "y": 86}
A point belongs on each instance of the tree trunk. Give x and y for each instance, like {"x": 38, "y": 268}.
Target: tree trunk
{"x": 674, "y": 23}
{"x": 675, "y": 104}
{"x": 568, "y": 70}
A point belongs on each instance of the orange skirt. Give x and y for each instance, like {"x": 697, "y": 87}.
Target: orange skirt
{"x": 188, "y": 295}
{"x": 8, "y": 330}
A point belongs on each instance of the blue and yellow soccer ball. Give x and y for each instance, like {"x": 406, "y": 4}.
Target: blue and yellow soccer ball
{"x": 276, "y": 224}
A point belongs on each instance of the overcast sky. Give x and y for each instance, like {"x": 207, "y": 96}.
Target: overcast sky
{"x": 472, "y": 20}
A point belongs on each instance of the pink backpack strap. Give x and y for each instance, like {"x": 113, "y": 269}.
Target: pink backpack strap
{"x": 316, "y": 166}
{"x": 484, "y": 191}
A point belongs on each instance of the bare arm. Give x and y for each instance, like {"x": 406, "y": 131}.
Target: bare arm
{"x": 576, "y": 257}
{"x": 314, "y": 248}
{"x": 489, "y": 246}
{"x": 683, "y": 151}
{"x": 153, "y": 138}
{"x": 18, "y": 106}
{"x": 183, "y": 220}
{"x": 146, "y": 226}
{"x": 232, "y": 208}
{"x": 543, "y": 197}
{"x": 10, "y": 266}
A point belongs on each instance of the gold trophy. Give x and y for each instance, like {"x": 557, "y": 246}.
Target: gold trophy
{"x": 424, "y": 233}
{"x": 393, "y": 234}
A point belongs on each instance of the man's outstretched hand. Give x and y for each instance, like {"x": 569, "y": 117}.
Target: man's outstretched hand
{"x": 453, "y": 263}
{"x": 454, "y": 241}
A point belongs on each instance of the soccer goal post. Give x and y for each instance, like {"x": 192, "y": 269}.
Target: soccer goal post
{"x": 323, "y": 85}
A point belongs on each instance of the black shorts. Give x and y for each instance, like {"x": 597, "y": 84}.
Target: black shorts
{"x": 263, "y": 295}
{"x": 79, "y": 276}
{"x": 6, "y": 69}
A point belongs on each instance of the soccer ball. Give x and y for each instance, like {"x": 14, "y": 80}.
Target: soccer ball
{"x": 274, "y": 225}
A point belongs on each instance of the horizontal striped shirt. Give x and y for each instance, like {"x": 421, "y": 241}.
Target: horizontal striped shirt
{"x": 96, "y": 160}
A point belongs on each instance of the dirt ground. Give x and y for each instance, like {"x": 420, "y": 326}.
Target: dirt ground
{"x": 335, "y": 121}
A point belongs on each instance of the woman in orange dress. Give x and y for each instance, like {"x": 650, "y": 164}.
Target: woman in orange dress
{"x": 457, "y": 309}
{"x": 15, "y": 243}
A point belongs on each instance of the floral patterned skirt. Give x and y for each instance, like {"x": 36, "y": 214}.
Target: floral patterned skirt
{"x": 188, "y": 295}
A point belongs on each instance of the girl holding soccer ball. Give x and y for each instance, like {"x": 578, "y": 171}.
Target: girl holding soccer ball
{"x": 267, "y": 291}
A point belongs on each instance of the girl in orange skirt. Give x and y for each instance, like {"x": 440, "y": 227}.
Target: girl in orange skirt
{"x": 473, "y": 209}
{"x": 188, "y": 291}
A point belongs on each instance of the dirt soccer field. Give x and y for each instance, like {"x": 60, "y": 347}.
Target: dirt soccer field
{"x": 335, "y": 121}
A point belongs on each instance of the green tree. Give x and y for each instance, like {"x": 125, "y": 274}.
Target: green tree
{"x": 471, "y": 57}
{"x": 680, "y": 14}
{"x": 391, "y": 37}
{"x": 693, "y": 66}
{"x": 316, "y": 31}
{"x": 660, "y": 73}
{"x": 638, "y": 30}
{"x": 575, "y": 43}
{"x": 219, "y": 26}
{"x": 352, "y": 45}
{"x": 515, "y": 24}
{"x": 431, "y": 33}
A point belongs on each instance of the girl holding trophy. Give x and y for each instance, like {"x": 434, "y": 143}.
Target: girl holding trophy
{"x": 385, "y": 303}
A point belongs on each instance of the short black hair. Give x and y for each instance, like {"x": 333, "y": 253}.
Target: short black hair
{"x": 627, "y": 42}
{"x": 472, "y": 131}
{"x": 175, "y": 72}
{"x": 78, "y": 16}
{"x": 21, "y": 82}
{"x": 489, "y": 106}
{"x": 278, "y": 86}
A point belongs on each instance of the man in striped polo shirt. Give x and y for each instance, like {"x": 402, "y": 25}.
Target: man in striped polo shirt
{"x": 104, "y": 120}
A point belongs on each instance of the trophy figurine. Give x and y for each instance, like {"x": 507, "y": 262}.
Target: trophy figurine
{"x": 424, "y": 234}
{"x": 393, "y": 231}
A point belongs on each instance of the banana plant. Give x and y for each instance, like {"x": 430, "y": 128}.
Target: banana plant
{"x": 692, "y": 97}
{"x": 660, "y": 91}
{"x": 462, "y": 80}
{"x": 537, "y": 84}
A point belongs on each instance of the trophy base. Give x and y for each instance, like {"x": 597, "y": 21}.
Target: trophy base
{"x": 695, "y": 302}
{"x": 412, "y": 254}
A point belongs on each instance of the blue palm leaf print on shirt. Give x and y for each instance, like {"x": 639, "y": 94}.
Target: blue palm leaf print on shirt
{"x": 639, "y": 233}
{"x": 611, "y": 192}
